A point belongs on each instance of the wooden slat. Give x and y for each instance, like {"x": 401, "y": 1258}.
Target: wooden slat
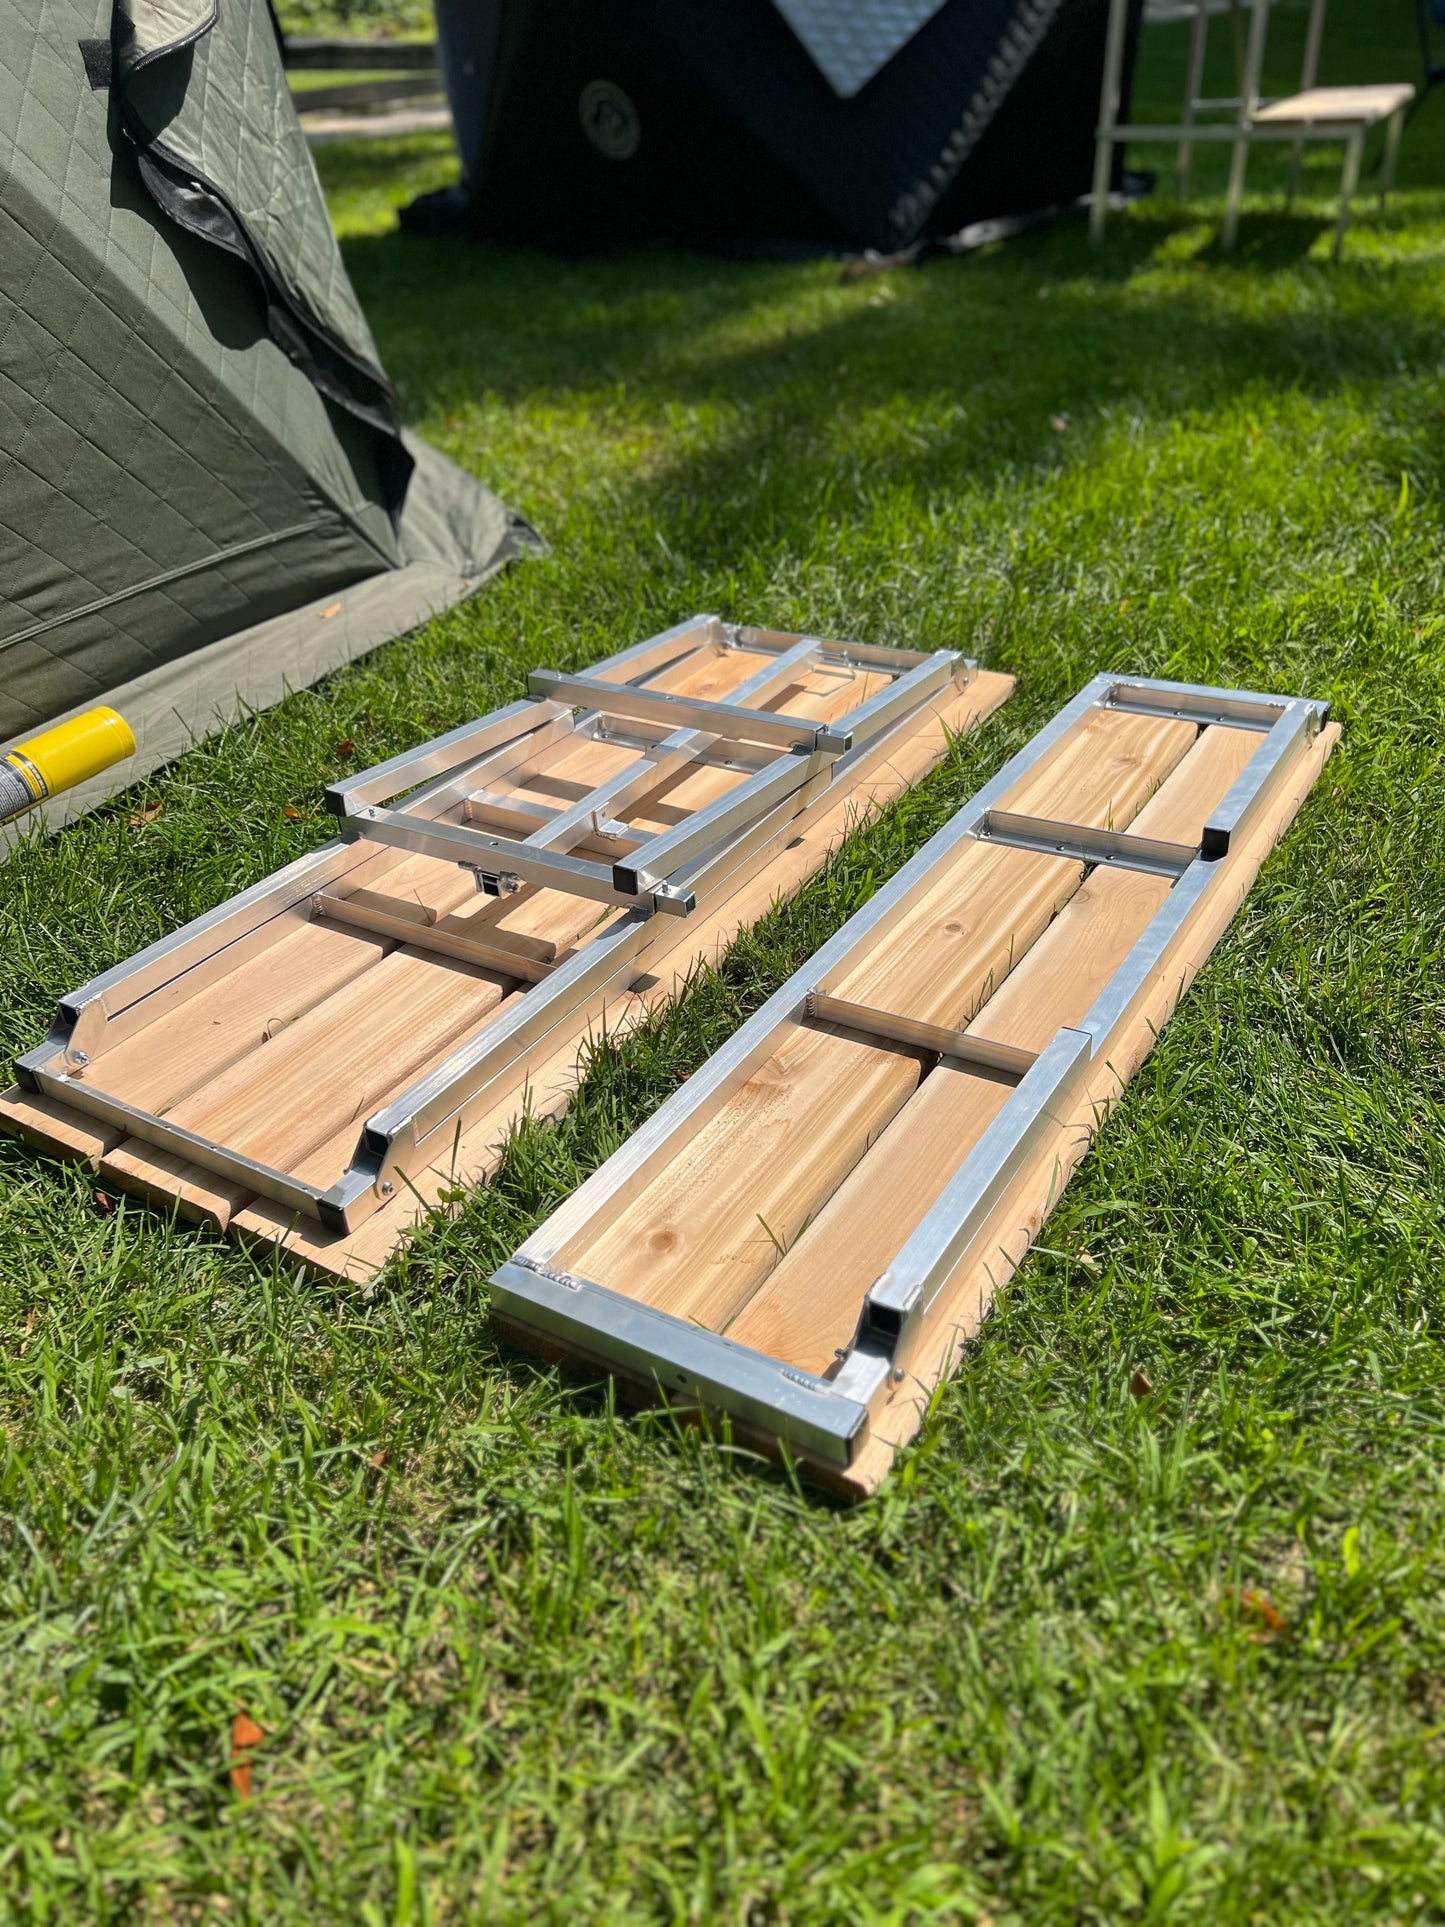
{"x": 947, "y": 954}
{"x": 1059, "y": 979}
{"x": 238, "y": 1013}
{"x": 1104, "y": 770}
{"x": 173, "y": 1184}
{"x": 807, "y": 1308}
{"x": 699, "y": 1239}
{"x": 55, "y": 1128}
{"x": 1178, "y": 813}
{"x": 695, "y": 941}
{"x": 342, "y": 1059}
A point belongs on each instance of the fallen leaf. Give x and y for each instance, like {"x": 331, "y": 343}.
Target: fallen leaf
{"x": 1259, "y": 1607}
{"x": 1059, "y": 424}
{"x": 334, "y": 610}
{"x": 104, "y": 1205}
{"x": 377, "y": 1459}
{"x": 29, "y": 1328}
{"x": 345, "y": 748}
{"x": 294, "y": 814}
{"x": 143, "y": 816}
{"x": 245, "y": 1735}
{"x": 1087, "y": 1259}
{"x": 1139, "y": 1385}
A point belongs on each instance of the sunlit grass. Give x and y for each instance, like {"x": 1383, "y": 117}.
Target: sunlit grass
{"x": 1089, "y": 1656}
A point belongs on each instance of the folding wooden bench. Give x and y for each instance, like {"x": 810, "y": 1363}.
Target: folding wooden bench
{"x": 804, "y": 1235}
{"x": 319, "y": 1060}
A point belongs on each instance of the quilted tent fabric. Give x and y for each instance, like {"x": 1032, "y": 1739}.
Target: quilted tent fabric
{"x": 199, "y": 452}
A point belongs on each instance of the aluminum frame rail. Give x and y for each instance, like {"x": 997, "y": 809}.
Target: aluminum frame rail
{"x": 698, "y": 730}
{"x": 788, "y": 765}
{"x": 827, "y": 1418}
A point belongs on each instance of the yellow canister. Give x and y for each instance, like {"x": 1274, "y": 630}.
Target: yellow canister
{"x": 61, "y": 758}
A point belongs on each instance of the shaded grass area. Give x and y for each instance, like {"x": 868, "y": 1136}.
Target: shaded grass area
{"x": 1090, "y": 1656}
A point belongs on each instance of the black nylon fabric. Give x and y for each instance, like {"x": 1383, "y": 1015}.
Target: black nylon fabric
{"x": 738, "y": 141}
{"x": 203, "y": 96}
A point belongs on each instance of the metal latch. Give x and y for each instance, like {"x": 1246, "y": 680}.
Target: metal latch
{"x": 494, "y": 883}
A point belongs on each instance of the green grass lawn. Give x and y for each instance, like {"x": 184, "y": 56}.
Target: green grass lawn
{"x": 519, "y": 1656}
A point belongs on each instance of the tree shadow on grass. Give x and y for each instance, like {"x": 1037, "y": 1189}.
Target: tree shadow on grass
{"x": 1042, "y": 323}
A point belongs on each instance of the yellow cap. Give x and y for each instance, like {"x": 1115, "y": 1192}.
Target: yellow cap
{"x": 65, "y": 756}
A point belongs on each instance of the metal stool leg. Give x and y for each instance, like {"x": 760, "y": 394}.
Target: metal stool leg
{"x": 1234, "y": 195}
{"x": 1109, "y": 98}
{"x": 1193, "y": 88}
{"x": 1394, "y": 127}
{"x": 1349, "y": 181}
{"x": 1308, "y": 74}
{"x": 1252, "y": 67}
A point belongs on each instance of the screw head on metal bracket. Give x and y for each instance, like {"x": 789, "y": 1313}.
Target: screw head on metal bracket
{"x": 494, "y": 883}
{"x": 80, "y": 1058}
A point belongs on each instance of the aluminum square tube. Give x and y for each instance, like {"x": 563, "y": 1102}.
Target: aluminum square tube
{"x": 656, "y": 705}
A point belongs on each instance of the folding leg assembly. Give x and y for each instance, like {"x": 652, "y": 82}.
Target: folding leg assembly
{"x": 803, "y": 1234}
{"x": 325, "y": 1037}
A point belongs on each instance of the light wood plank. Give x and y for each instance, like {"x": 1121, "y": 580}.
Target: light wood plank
{"x": 711, "y": 677}
{"x": 173, "y": 1184}
{"x": 961, "y": 939}
{"x": 1057, "y": 982}
{"x": 1178, "y": 812}
{"x": 55, "y": 1128}
{"x": 339, "y": 1062}
{"x": 1104, "y": 770}
{"x": 807, "y": 1308}
{"x": 165, "y": 1062}
{"x": 701, "y": 1237}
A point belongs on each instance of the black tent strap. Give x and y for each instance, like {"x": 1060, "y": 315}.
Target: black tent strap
{"x": 99, "y": 58}
{"x": 199, "y": 206}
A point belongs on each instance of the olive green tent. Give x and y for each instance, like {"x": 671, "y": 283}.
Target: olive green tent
{"x": 205, "y": 495}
